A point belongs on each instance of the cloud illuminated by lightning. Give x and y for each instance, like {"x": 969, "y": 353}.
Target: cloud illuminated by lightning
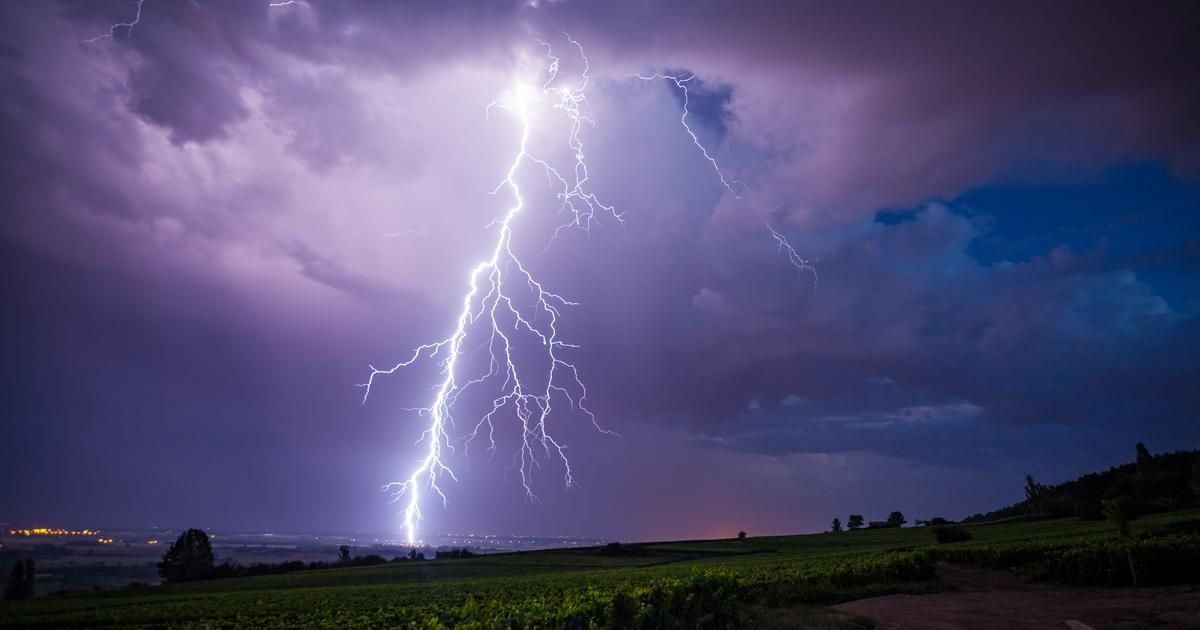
{"x": 507, "y": 302}
{"x": 510, "y": 306}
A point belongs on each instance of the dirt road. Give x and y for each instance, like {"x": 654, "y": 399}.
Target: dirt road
{"x": 983, "y": 599}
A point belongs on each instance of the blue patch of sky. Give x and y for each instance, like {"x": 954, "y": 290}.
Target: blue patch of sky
{"x": 708, "y": 106}
{"x": 1132, "y": 216}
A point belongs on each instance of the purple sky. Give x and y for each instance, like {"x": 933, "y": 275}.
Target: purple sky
{"x": 1004, "y": 203}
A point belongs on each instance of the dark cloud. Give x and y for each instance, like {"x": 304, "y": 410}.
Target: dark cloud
{"x": 193, "y": 247}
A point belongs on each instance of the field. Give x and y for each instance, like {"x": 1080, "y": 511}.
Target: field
{"x": 681, "y": 584}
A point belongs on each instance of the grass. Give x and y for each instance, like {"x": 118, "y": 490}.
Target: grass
{"x": 686, "y": 583}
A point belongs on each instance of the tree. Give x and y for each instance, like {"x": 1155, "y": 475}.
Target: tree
{"x": 741, "y": 535}
{"x": 855, "y": 521}
{"x": 1196, "y": 479}
{"x": 895, "y": 519}
{"x": 837, "y": 524}
{"x": 1143, "y": 458}
{"x": 344, "y": 554}
{"x": 20, "y": 581}
{"x": 1033, "y": 489}
{"x": 189, "y": 558}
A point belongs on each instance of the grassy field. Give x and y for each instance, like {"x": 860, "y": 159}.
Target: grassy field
{"x": 682, "y": 584}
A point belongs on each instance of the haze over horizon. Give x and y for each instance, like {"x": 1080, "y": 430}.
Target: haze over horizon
{"x": 215, "y": 221}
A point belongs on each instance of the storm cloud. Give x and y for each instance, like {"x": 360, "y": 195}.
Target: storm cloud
{"x": 215, "y": 221}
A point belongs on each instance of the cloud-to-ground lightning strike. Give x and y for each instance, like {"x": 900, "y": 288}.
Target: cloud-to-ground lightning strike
{"x": 801, "y": 264}
{"x": 490, "y": 298}
{"x": 505, "y": 300}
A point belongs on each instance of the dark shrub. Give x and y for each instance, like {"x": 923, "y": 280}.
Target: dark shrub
{"x": 617, "y": 549}
{"x": 20, "y": 581}
{"x": 948, "y": 534}
{"x": 454, "y": 553}
{"x": 224, "y": 570}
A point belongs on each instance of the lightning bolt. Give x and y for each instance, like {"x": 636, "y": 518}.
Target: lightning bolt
{"x": 510, "y": 305}
{"x": 112, "y": 30}
{"x": 128, "y": 26}
{"x": 494, "y": 296}
{"x": 802, "y": 265}
{"x": 681, "y": 83}
{"x": 412, "y": 232}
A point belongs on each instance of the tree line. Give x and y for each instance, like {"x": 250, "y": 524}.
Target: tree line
{"x": 856, "y": 521}
{"x": 191, "y": 558}
{"x": 1150, "y": 484}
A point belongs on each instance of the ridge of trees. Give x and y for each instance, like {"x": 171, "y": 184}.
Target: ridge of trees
{"x": 1150, "y": 484}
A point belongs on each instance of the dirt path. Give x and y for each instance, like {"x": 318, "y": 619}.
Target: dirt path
{"x": 983, "y": 599}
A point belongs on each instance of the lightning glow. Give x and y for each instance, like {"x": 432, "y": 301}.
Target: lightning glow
{"x": 510, "y": 306}
{"x": 507, "y": 302}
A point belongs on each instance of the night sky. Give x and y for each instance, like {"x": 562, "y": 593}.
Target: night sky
{"x": 1003, "y": 204}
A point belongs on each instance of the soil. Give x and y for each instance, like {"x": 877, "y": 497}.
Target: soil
{"x": 982, "y": 599}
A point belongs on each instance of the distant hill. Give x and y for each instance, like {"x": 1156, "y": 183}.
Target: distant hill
{"x": 1150, "y": 484}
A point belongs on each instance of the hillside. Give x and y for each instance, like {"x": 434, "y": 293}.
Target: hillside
{"x": 716, "y": 583}
{"x": 1150, "y": 484}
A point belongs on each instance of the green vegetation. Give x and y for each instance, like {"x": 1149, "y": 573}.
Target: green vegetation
{"x": 1158, "y": 550}
{"x": 679, "y": 584}
{"x": 1131, "y": 525}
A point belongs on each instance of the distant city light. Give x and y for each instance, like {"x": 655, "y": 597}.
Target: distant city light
{"x": 52, "y": 531}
